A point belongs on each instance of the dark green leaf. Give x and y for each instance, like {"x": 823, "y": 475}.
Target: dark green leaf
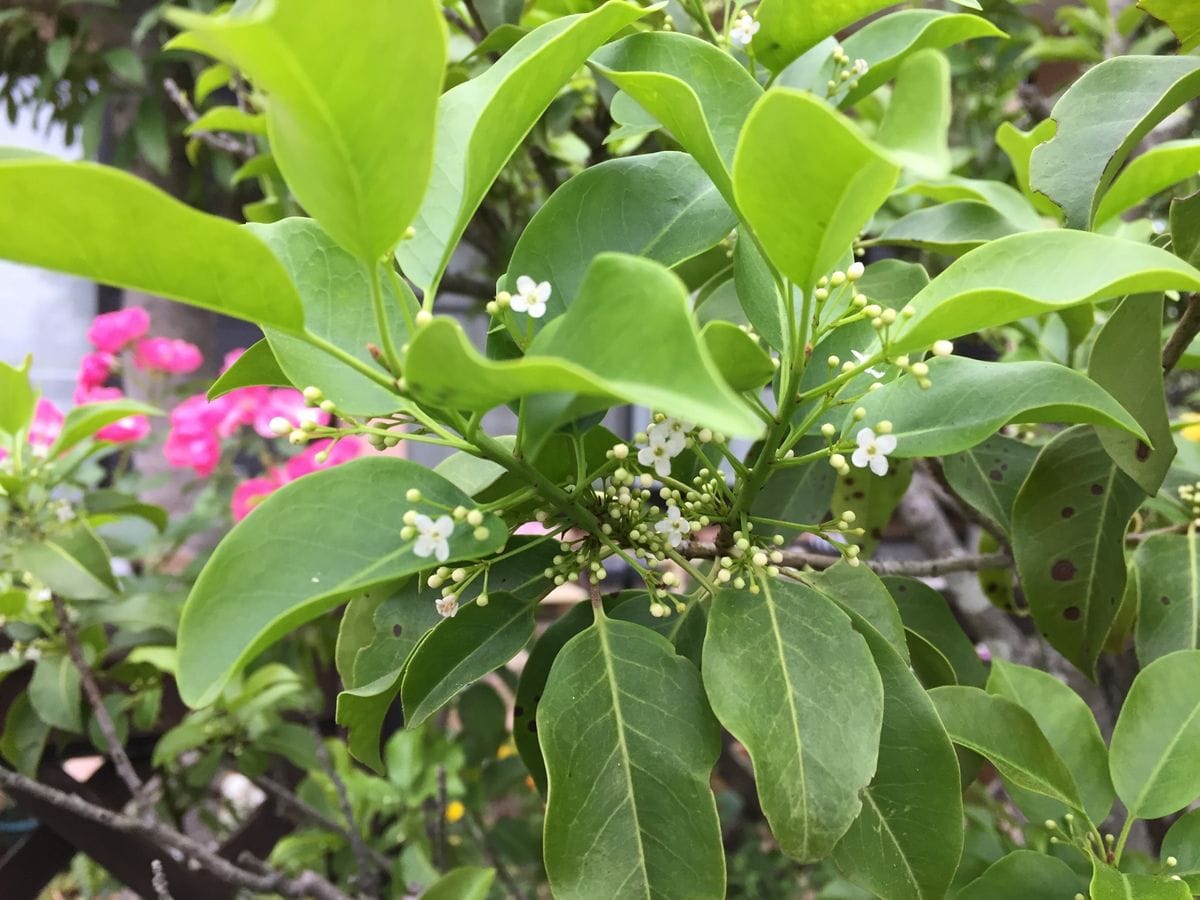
{"x": 23, "y": 739}
{"x": 1024, "y": 873}
{"x": 860, "y": 592}
{"x": 55, "y": 693}
{"x": 1168, "y": 617}
{"x": 989, "y": 475}
{"x": 72, "y": 562}
{"x": 927, "y": 615}
{"x": 467, "y": 883}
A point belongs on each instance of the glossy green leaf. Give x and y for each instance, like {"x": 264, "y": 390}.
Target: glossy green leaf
{"x": 1068, "y": 528}
{"x": 1182, "y": 841}
{"x": 284, "y": 565}
{"x": 109, "y": 226}
{"x": 1154, "y": 754}
{"x": 352, "y": 132}
{"x": 788, "y": 29}
{"x": 906, "y": 842}
{"x": 800, "y": 494}
{"x": 808, "y": 182}
{"x": 759, "y": 296}
{"x": 481, "y": 122}
{"x": 1109, "y": 883}
{"x": 1181, "y": 16}
{"x": 1007, "y": 735}
{"x": 927, "y": 616}
{"x": 1033, "y": 273}
{"x": 915, "y": 129}
{"x": 19, "y": 398}
{"x": 1126, "y": 361}
{"x": 1004, "y": 200}
{"x": 1185, "y": 228}
{"x": 466, "y": 883}
{"x": 873, "y": 499}
{"x": 71, "y": 561}
{"x": 789, "y": 677}
{"x": 1019, "y": 145}
{"x": 1101, "y": 119}
{"x": 55, "y": 692}
{"x": 1155, "y": 170}
{"x": 23, "y": 738}
{"x": 106, "y": 502}
{"x": 228, "y": 118}
{"x": 699, "y": 93}
{"x": 628, "y": 336}
{"x": 685, "y": 630}
{"x": 335, "y": 289}
{"x": 1024, "y": 873}
{"x": 864, "y": 596}
{"x": 952, "y": 228}
{"x": 948, "y": 417}
{"x": 743, "y": 364}
{"x": 1168, "y": 618}
{"x": 461, "y": 650}
{"x": 660, "y": 206}
{"x": 257, "y": 366}
{"x": 1068, "y": 724}
{"x": 629, "y": 743}
{"x": 887, "y": 42}
{"x": 989, "y": 475}
{"x": 82, "y": 422}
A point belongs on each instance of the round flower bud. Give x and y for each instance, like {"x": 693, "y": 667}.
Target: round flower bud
{"x": 407, "y": 533}
{"x": 884, "y": 427}
{"x": 856, "y": 271}
{"x": 410, "y": 233}
{"x": 503, "y": 299}
{"x": 873, "y": 309}
{"x": 412, "y": 495}
{"x": 328, "y": 406}
{"x": 837, "y": 461}
{"x": 859, "y": 414}
{"x": 943, "y": 348}
{"x": 848, "y": 366}
{"x": 482, "y": 533}
{"x": 410, "y": 517}
{"x": 837, "y": 279}
{"x": 828, "y": 429}
{"x": 821, "y": 294}
{"x": 475, "y": 518}
{"x": 481, "y": 600}
{"x": 492, "y": 308}
{"x": 888, "y": 316}
{"x": 280, "y": 426}
{"x": 834, "y": 362}
{"x": 919, "y": 369}
{"x": 705, "y": 435}
{"x": 902, "y": 362}
{"x": 759, "y": 559}
{"x": 424, "y": 317}
{"x": 435, "y": 581}
{"x": 620, "y": 451}
{"x": 297, "y": 438}
{"x": 321, "y": 458}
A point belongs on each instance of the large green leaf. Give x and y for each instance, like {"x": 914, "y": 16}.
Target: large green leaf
{"x": 629, "y": 743}
{"x": 790, "y": 678}
{"x": 799, "y": 494}
{"x": 907, "y": 840}
{"x": 1126, "y": 361}
{"x": 301, "y": 553}
{"x": 1154, "y": 755}
{"x": 1168, "y": 618}
{"x": 257, "y": 366}
{"x": 1003, "y": 199}
{"x": 789, "y": 28}
{"x": 864, "y": 596}
{"x": 1024, "y": 873}
{"x": 71, "y": 561}
{"x": 699, "y": 93}
{"x": 1109, "y": 883}
{"x": 1069, "y": 726}
{"x": 743, "y": 364}
{"x": 660, "y": 206}
{"x": 19, "y": 398}
{"x": 1068, "y": 529}
{"x": 1007, "y": 735}
{"x": 949, "y": 417}
{"x": 928, "y": 618}
{"x": 989, "y": 476}
{"x": 915, "y": 128}
{"x": 1101, "y": 119}
{"x": 1155, "y": 170}
{"x": 482, "y": 122}
{"x": 461, "y": 650}
{"x": 807, "y": 181}
{"x": 1182, "y": 16}
{"x": 627, "y": 336}
{"x": 952, "y": 228}
{"x": 1182, "y": 841}
{"x": 104, "y": 224}
{"x": 352, "y": 98}
{"x": 23, "y": 738}
{"x": 55, "y": 693}
{"x": 1036, "y": 272}
{"x": 335, "y": 289}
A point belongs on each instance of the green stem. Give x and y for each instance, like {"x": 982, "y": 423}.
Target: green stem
{"x": 381, "y": 322}
{"x": 352, "y": 361}
{"x": 1124, "y": 836}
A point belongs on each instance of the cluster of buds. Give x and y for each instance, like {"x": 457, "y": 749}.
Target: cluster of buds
{"x": 314, "y": 398}
{"x": 1190, "y": 495}
{"x": 750, "y": 561}
{"x": 838, "y": 280}
{"x": 846, "y": 72}
{"x": 573, "y": 560}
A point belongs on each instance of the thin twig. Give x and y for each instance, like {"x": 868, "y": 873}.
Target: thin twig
{"x": 158, "y": 880}
{"x": 921, "y": 568}
{"x": 1185, "y": 332}
{"x": 365, "y": 878}
{"x": 116, "y": 750}
{"x": 213, "y": 139}
{"x": 439, "y": 822}
{"x": 307, "y": 884}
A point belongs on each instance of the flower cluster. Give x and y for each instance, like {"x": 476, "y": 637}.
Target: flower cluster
{"x": 531, "y": 298}
{"x": 846, "y": 73}
{"x": 317, "y": 456}
{"x": 112, "y": 334}
{"x": 743, "y": 31}
{"x": 431, "y": 538}
{"x": 664, "y": 440}
{"x": 871, "y": 448}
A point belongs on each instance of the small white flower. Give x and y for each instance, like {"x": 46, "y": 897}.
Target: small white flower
{"x": 862, "y": 358}
{"x": 447, "y": 607}
{"x": 860, "y": 67}
{"x": 873, "y": 451}
{"x": 657, "y": 455}
{"x": 674, "y": 526}
{"x": 64, "y": 513}
{"x": 433, "y": 537}
{"x": 671, "y": 433}
{"x": 744, "y": 30}
{"x": 530, "y": 297}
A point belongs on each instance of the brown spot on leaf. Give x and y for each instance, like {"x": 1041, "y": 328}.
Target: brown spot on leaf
{"x": 1071, "y": 613}
{"x": 996, "y": 475}
{"x": 1068, "y": 511}
{"x": 1097, "y": 489}
{"x": 518, "y": 711}
{"x": 397, "y": 630}
{"x": 858, "y": 495}
{"x": 1142, "y": 452}
{"x": 1165, "y": 601}
{"x": 1063, "y": 570}
{"x": 532, "y": 726}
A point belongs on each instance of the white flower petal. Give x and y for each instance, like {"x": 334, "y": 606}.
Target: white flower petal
{"x": 662, "y": 465}
{"x": 423, "y": 523}
{"x": 879, "y": 464}
{"x": 866, "y": 438}
{"x": 646, "y": 456}
{"x": 537, "y": 309}
{"x": 662, "y": 526}
{"x": 518, "y": 303}
{"x": 526, "y": 286}
{"x": 442, "y": 550}
{"x": 543, "y": 291}
{"x": 424, "y": 546}
{"x": 885, "y": 443}
{"x": 861, "y": 458}
{"x": 445, "y": 526}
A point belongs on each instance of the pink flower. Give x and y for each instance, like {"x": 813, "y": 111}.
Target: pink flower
{"x": 250, "y": 493}
{"x": 167, "y": 355}
{"x": 194, "y": 438}
{"x": 239, "y": 407}
{"x": 289, "y": 404}
{"x": 126, "y": 430}
{"x": 46, "y": 425}
{"x": 111, "y": 332}
{"x": 230, "y": 358}
{"x": 343, "y": 451}
{"x": 94, "y": 370}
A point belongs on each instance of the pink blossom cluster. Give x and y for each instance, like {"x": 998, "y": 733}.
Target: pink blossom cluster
{"x": 319, "y": 455}
{"x": 115, "y": 332}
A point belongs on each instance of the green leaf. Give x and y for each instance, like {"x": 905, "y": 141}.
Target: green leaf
{"x": 1007, "y": 735}
{"x": 1182, "y": 841}
{"x": 916, "y": 125}
{"x": 482, "y": 122}
{"x": 84, "y": 421}
{"x": 1019, "y": 146}
{"x": 952, "y": 228}
{"x": 361, "y": 710}
{"x": 335, "y": 290}
{"x": 126, "y": 64}
{"x": 1154, "y": 171}
{"x": 629, "y": 743}
{"x": 887, "y": 42}
{"x": 660, "y": 206}
{"x": 1126, "y": 361}
{"x": 1168, "y": 618}
{"x": 1024, "y": 873}
{"x": 743, "y": 364}
{"x": 860, "y": 592}
{"x": 20, "y": 399}
{"x": 72, "y": 562}
{"x": 1185, "y": 228}
{"x": 948, "y": 417}
{"x": 1100, "y": 120}
{"x": 1111, "y": 884}
{"x": 23, "y": 738}
{"x": 461, "y": 650}
{"x": 907, "y": 840}
{"x": 808, "y": 182}
{"x": 1033, "y": 273}
{"x": 799, "y": 494}
{"x": 466, "y": 883}
{"x": 228, "y": 118}
{"x": 928, "y": 617}
{"x": 1005, "y": 201}
{"x": 1068, "y": 724}
{"x": 285, "y": 564}
{"x": 699, "y": 93}
{"x": 1154, "y": 755}
{"x": 989, "y": 475}
{"x": 58, "y": 54}
{"x": 759, "y": 296}
{"x": 789, "y": 677}
{"x": 628, "y": 336}
{"x": 684, "y": 630}
{"x": 107, "y": 502}
{"x": 55, "y": 692}
{"x": 1068, "y": 530}
{"x": 257, "y": 366}
{"x": 103, "y": 224}
{"x": 352, "y": 132}
{"x": 211, "y": 78}
{"x": 150, "y": 133}
{"x": 788, "y": 29}
{"x": 1181, "y": 16}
